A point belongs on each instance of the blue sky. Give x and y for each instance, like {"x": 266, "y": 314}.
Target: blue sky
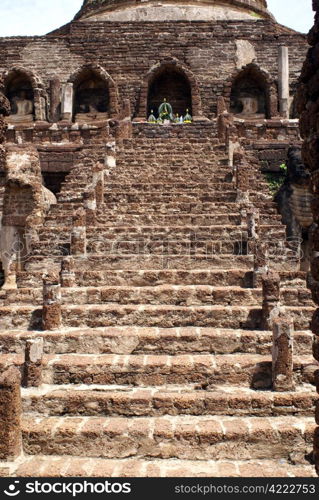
{"x": 37, "y": 17}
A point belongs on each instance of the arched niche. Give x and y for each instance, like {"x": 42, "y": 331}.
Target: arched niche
{"x": 171, "y": 80}
{"x": 250, "y": 94}
{"x": 94, "y": 95}
{"x": 20, "y": 93}
{"x": 26, "y": 94}
{"x": 171, "y": 85}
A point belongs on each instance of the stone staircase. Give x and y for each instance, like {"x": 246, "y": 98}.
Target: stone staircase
{"x": 162, "y": 367}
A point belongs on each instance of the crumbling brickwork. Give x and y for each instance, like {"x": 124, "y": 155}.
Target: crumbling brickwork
{"x": 308, "y": 107}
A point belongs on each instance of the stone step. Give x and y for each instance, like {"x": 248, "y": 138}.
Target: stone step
{"x": 72, "y": 466}
{"x": 183, "y": 437}
{"x": 164, "y": 316}
{"x": 210, "y": 164}
{"x": 167, "y": 188}
{"x": 171, "y": 233}
{"x": 189, "y": 248}
{"x": 168, "y": 208}
{"x": 115, "y": 262}
{"x": 173, "y": 208}
{"x": 182, "y": 197}
{"x": 155, "y": 197}
{"x": 163, "y": 147}
{"x": 142, "y": 340}
{"x": 157, "y": 151}
{"x": 84, "y": 400}
{"x": 248, "y": 370}
{"x": 77, "y": 183}
{"x": 86, "y": 275}
{"x": 187, "y": 295}
{"x": 173, "y": 177}
{"x": 147, "y": 219}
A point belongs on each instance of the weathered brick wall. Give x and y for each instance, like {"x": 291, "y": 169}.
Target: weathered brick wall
{"x": 127, "y": 51}
{"x": 308, "y": 104}
{"x": 4, "y": 111}
{"x": 271, "y": 155}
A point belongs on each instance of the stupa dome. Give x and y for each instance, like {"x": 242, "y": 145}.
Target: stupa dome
{"x": 173, "y": 10}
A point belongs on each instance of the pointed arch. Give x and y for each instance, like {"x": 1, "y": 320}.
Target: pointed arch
{"x": 251, "y": 91}
{"x": 93, "y": 83}
{"x": 164, "y": 72}
{"x": 21, "y": 83}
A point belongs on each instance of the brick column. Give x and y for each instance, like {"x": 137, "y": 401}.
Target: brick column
{"x": 67, "y": 102}
{"x": 33, "y": 363}
{"x": 52, "y": 314}
{"x": 282, "y": 355}
{"x": 242, "y": 177}
{"x": 110, "y": 157}
{"x": 260, "y": 262}
{"x": 98, "y": 183}
{"x": 10, "y": 414}
{"x": 89, "y": 200}
{"x": 78, "y": 234}
{"x": 283, "y": 80}
{"x": 67, "y": 276}
{"x": 253, "y": 218}
{"x": 55, "y": 99}
{"x": 271, "y": 299}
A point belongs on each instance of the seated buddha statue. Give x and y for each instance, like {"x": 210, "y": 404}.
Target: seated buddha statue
{"x": 165, "y": 111}
{"x": 22, "y": 108}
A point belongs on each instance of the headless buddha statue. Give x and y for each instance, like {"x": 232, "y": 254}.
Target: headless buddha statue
{"x": 22, "y": 108}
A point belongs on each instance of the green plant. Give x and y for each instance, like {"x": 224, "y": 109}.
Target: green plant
{"x": 255, "y": 14}
{"x": 276, "y": 180}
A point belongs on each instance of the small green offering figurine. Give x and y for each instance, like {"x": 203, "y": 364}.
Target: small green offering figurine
{"x": 188, "y": 118}
{"x": 151, "y": 118}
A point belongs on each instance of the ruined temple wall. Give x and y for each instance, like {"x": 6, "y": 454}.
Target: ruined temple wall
{"x": 127, "y": 51}
{"x": 308, "y": 104}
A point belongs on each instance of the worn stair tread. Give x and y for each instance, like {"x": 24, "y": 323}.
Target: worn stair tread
{"x": 184, "y": 436}
{"x": 91, "y": 400}
{"x": 144, "y": 370}
{"x": 151, "y": 308}
{"x": 73, "y": 466}
{"x": 150, "y": 340}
